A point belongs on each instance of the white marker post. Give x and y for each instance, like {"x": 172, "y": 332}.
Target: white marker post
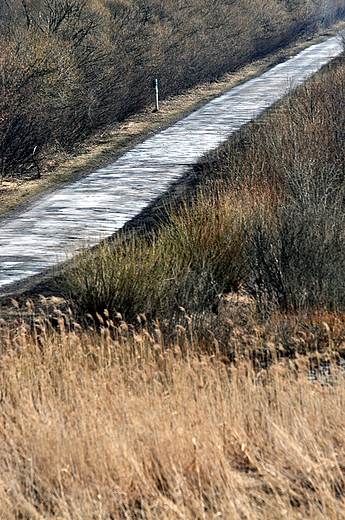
{"x": 156, "y": 89}
{"x": 157, "y": 86}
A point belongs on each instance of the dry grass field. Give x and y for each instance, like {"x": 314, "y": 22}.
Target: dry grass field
{"x": 124, "y": 423}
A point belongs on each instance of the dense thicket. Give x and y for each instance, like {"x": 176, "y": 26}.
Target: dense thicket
{"x": 290, "y": 169}
{"x": 68, "y": 67}
{"x": 269, "y": 218}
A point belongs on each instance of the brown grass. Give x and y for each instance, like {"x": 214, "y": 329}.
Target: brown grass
{"x": 124, "y": 424}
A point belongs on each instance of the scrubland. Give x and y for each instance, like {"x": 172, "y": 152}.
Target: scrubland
{"x": 196, "y": 370}
{"x": 267, "y": 216}
{"x": 199, "y": 373}
{"x": 69, "y": 68}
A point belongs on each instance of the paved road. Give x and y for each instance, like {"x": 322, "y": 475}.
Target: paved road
{"x": 103, "y": 201}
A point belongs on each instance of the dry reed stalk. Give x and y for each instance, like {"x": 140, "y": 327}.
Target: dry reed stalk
{"x": 117, "y": 425}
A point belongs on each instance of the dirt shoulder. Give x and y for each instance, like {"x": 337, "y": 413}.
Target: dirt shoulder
{"x": 104, "y": 147}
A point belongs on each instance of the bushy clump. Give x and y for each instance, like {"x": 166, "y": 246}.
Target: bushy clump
{"x": 207, "y": 238}
{"x": 124, "y": 276}
{"x": 188, "y": 263}
{"x": 292, "y": 160}
{"x": 298, "y": 260}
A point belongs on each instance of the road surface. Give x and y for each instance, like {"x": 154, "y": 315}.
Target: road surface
{"x": 102, "y": 202}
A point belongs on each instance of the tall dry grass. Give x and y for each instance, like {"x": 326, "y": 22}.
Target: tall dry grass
{"x": 124, "y": 425}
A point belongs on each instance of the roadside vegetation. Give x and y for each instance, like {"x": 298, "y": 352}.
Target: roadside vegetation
{"x": 267, "y": 217}
{"x": 71, "y": 67}
{"x": 199, "y": 373}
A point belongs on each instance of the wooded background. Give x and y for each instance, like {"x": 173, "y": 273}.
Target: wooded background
{"x": 70, "y": 67}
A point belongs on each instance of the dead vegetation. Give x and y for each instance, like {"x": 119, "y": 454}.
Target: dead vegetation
{"x": 171, "y": 398}
{"x": 69, "y": 68}
{"x": 124, "y": 423}
{"x": 267, "y": 216}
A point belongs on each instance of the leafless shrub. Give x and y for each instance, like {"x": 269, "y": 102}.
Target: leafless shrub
{"x": 97, "y": 59}
{"x": 293, "y": 159}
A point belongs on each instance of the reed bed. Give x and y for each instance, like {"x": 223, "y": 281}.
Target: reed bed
{"x": 126, "y": 423}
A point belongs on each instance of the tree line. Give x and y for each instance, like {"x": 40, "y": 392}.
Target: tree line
{"x": 70, "y": 67}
